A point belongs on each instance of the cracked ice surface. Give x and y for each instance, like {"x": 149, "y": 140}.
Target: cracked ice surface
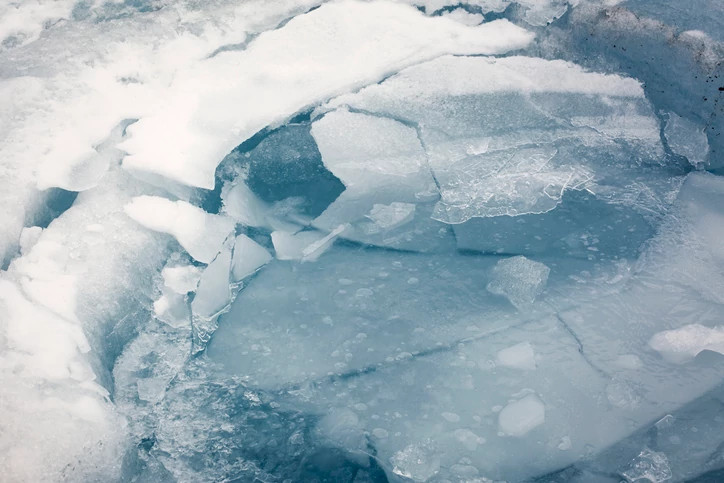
{"x": 361, "y": 241}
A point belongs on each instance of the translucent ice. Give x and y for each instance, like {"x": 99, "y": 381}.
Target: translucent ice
{"x": 519, "y": 279}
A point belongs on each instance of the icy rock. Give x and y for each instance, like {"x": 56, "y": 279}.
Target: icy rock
{"x": 249, "y": 256}
{"x": 649, "y": 466}
{"x": 520, "y": 356}
{"x": 418, "y": 462}
{"x": 519, "y": 279}
{"x": 186, "y": 143}
{"x": 687, "y": 139}
{"x": 201, "y": 234}
{"x": 683, "y": 344}
{"x": 520, "y": 417}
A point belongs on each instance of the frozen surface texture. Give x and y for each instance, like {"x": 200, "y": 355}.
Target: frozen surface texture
{"x": 361, "y": 241}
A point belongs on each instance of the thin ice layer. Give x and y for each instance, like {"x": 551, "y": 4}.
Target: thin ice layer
{"x": 348, "y": 43}
{"x": 510, "y": 136}
{"x": 389, "y": 189}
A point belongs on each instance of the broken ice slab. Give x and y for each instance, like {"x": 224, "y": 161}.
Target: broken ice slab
{"x": 581, "y": 227}
{"x": 306, "y": 246}
{"x": 354, "y": 308}
{"x": 689, "y": 443}
{"x": 506, "y": 136}
{"x": 249, "y": 257}
{"x": 456, "y": 414}
{"x": 200, "y": 233}
{"x": 389, "y": 188}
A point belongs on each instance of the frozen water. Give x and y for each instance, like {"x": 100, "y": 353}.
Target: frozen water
{"x": 520, "y": 417}
{"x": 685, "y": 343}
{"x": 361, "y": 241}
{"x": 519, "y": 279}
{"x": 687, "y": 139}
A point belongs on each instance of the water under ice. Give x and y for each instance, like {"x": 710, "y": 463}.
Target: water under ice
{"x": 361, "y": 241}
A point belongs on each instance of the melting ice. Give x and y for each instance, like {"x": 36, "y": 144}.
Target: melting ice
{"x": 361, "y": 241}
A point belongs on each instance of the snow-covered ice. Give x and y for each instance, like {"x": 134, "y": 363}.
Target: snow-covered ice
{"x": 361, "y": 241}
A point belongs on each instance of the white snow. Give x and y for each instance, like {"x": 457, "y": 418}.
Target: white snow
{"x": 338, "y": 47}
{"x": 181, "y": 278}
{"x": 201, "y": 234}
{"x": 521, "y": 416}
{"x": 683, "y": 344}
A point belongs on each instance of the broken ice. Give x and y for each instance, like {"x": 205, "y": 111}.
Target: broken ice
{"x": 361, "y": 241}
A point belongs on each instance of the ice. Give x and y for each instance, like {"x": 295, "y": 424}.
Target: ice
{"x": 187, "y": 141}
{"x": 519, "y": 279}
{"x": 389, "y": 188}
{"x": 304, "y": 245}
{"x": 418, "y": 462}
{"x": 520, "y": 417}
{"x": 249, "y": 257}
{"x": 181, "y": 278}
{"x": 391, "y": 216}
{"x": 200, "y": 233}
{"x": 157, "y": 319}
{"x": 649, "y": 466}
{"x": 520, "y": 356}
{"x": 214, "y": 291}
{"x": 687, "y": 139}
{"x": 512, "y": 136}
{"x": 29, "y": 237}
{"x": 683, "y": 344}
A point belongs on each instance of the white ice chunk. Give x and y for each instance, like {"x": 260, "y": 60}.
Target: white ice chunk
{"x": 519, "y": 279}
{"x": 214, "y": 291}
{"x": 28, "y": 238}
{"x": 519, "y": 356}
{"x": 200, "y": 233}
{"x": 249, "y": 256}
{"x": 465, "y": 17}
{"x": 332, "y": 49}
{"x": 387, "y": 217}
{"x": 418, "y": 462}
{"x": 683, "y": 344}
{"x": 305, "y": 245}
{"x": 687, "y": 139}
{"x": 181, "y": 278}
{"x": 519, "y": 417}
